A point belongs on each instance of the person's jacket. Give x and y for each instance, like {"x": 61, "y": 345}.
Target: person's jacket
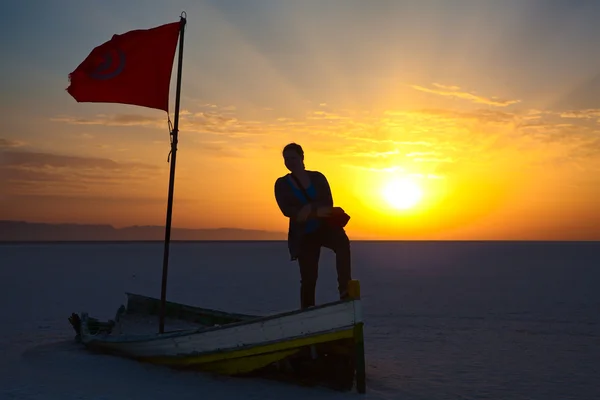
{"x": 290, "y": 205}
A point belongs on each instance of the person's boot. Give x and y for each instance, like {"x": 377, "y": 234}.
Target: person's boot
{"x": 344, "y": 295}
{"x": 343, "y": 290}
{"x": 307, "y": 296}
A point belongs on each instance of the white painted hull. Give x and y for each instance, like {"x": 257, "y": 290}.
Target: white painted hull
{"x": 315, "y": 321}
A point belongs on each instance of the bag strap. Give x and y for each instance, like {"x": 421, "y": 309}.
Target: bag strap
{"x": 301, "y": 188}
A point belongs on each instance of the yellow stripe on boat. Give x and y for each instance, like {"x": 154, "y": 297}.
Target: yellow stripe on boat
{"x": 245, "y": 360}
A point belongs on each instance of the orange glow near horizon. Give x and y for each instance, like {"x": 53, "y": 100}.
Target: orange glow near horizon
{"x": 472, "y": 186}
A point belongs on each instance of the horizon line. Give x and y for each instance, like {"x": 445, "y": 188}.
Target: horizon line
{"x": 240, "y": 240}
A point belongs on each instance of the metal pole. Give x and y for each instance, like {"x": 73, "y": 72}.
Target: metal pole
{"x": 174, "y": 134}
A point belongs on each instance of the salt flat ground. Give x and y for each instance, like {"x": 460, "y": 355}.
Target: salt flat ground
{"x": 444, "y": 320}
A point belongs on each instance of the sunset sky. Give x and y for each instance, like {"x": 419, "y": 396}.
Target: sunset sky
{"x": 491, "y": 108}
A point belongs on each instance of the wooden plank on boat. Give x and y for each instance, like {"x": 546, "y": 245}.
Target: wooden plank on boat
{"x": 140, "y": 304}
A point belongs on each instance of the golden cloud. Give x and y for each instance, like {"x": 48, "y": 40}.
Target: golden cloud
{"x": 586, "y": 114}
{"x": 386, "y": 138}
{"x": 8, "y": 143}
{"x": 24, "y": 172}
{"x": 114, "y": 120}
{"x": 454, "y": 91}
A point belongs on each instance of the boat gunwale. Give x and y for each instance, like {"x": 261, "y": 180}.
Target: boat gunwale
{"x": 187, "y": 332}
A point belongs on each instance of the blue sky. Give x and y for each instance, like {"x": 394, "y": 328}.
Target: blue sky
{"x": 522, "y": 45}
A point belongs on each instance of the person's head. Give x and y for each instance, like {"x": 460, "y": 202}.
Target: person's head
{"x": 293, "y": 157}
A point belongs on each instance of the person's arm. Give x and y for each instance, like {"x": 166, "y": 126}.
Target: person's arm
{"x": 287, "y": 204}
{"x": 327, "y": 199}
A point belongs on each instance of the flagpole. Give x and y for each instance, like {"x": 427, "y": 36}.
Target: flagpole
{"x": 174, "y": 134}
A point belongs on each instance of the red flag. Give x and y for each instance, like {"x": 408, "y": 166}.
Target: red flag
{"x": 132, "y": 68}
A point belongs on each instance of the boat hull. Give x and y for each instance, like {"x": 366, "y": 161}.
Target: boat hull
{"x": 305, "y": 344}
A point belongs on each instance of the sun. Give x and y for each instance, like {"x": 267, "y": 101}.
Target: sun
{"x": 402, "y": 194}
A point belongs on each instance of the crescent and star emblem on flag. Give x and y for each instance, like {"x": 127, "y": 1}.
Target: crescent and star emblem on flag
{"x": 112, "y": 65}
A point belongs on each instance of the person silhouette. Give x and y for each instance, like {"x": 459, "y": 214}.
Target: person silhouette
{"x": 305, "y": 198}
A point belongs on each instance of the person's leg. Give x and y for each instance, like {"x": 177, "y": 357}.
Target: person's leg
{"x": 337, "y": 240}
{"x": 308, "y": 261}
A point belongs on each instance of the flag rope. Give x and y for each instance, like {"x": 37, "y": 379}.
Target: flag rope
{"x": 170, "y": 126}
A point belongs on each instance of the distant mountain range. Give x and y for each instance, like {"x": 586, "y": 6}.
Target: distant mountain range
{"x": 21, "y": 231}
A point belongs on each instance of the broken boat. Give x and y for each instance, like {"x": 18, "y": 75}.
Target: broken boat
{"x": 321, "y": 345}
